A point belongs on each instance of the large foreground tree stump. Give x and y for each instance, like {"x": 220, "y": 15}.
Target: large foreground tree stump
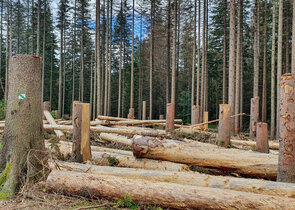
{"x": 254, "y": 116}
{"x": 23, "y": 142}
{"x": 170, "y": 118}
{"x": 262, "y": 138}
{"x": 224, "y": 125}
{"x": 286, "y": 167}
{"x": 81, "y": 132}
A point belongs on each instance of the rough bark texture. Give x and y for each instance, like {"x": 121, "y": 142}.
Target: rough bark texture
{"x": 224, "y": 124}
{"x": 23, "y": 139}
{"x": 170, "y": 118}
{"x": 131, "y": 113}
{"x": 286, "y": 169}
{"x": 254, "y": 116}
{"x": 184, "y": 178}
{"x": 243, "y": 162}
{"x": 256, "y": 50}
{"x": 195, "y": 115}
{"x": 81, "y": 133}
{"x": 262, "y": 138}
{"x": 160, "y": 193}
{"x": 51, "y": 120}
{"x": 293, "y": 41}
{"x": 273, "y": 72}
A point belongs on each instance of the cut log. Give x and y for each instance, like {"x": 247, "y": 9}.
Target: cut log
{"x": 185, "y": 178}
{"x": 51, "y": 120}
{"x": 144, "y": 110}
{"x": 246, "y": 163}
{"x": 101, "y": 117}
{"x": 142, "y": 122}
{"x": 108, "y": 158}
{"x": 103, "y": 129}
{"x": 160, "y": 193}
{"x": 272, "y": 145}
{"x": 116, "y": 138}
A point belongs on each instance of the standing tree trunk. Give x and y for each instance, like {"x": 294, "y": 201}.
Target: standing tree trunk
{"x": 202, "y": 108}
{"x": 131, "y": 111}
{"x": 293, "y": 41}
{"x": 194, "y": 60}
{"x": 224, "y": 92}
{"x": 74, "y": 52}
{"x": 107, "y": 61}
{"x": 60, "y": 63}
{"x": 82, "y": 54}
{"x": 264, "y": 93}
{"x": 110, "y": 62}
{"x": 199, "y": 57}
{"x": 168, "y": 50}
{"x": 1, "y": 39}
{"x": 279, "y": 62}
{"x": 256, "y": 50}
{"x": 238, "y": 67}
{"x": 23, "y": 139}
{"x": 151, "y": 59}
{"x": 231, "y": 76}
{"x": 273, "y": 72}
{"x": 38, "y": 28}
{"x": 120, "y": 77}
{"x": 98, "y": 98}
{"x": 43, "y": 54}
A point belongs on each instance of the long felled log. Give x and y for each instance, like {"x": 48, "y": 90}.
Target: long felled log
{"x": 247, "y": 163}
{"x": 142, "y": 122}
{"x": 116, "y": 138}
{"x": 123, "y": 159}
{"x": 272, "y": 145}
{"x": 103, "y": 129}
{"x": 185, "y": 178}
{"x": 160, "y": 193}
{"x": 51, "y": 120}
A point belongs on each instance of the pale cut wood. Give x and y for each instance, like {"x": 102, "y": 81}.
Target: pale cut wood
{"x": 142, "y": 122}
{"x": 243, "y": 162}
{"x": 81, "y": 151}
{"x": 116, "y": 138}
{"x": 254, "y": 116}
{"x": 272, "y": 145}
{"x": 101, "y": 117}
{"x": 185, "y": 178}
{"x": 51, "y": 120}
{"x": 103, "y": 129}
{"x": 105, "y": 158}
{"x": 160, "y": 193}
{"x": 206, "y": 117}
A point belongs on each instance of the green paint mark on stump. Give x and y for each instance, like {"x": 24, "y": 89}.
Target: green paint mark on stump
{"x": 22, "y": 96}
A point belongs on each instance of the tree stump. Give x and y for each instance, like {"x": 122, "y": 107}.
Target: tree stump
{"x": 46, "y": 107}
{"x": 195, "y": 115}
{"x": 144, "y": 110}
{"x": 81, "y": 151}
{"x": 131, "y": 113}
{"x": 170, "y": 118}
{"x": 286, "y": 167}
{"x": 206, "y": 118}
{"x": 254, "y": 116}
{"x": 262, "y": 138}
{"x": 23, "y": 142}
{"x": 224, "y": 124}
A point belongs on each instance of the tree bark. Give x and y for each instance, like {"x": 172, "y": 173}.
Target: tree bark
{"x": 262, "y": 138}
{"x": 279, "y": 62}
{"x": 286, "y": 169}
{"x": 38, "y": 28}
{"x": 224, "y": 73}
{"x": 170, "y": 118}
{"x": 110, "y": 61}
{"x": 185, "y": 178}
{"x": 264, "y": 85}
{"x": 168, "y": 50}
{"x": 132, "y": 64}
{"x": 173, "y": 81}
{"x": 273, "y": 72}
{"x": 144, "y": 110}
{"x": 199, "y": 57}
{"x": 43, "y": 54}
{"x": 224, "y": 125}
{"x": 97, "y": 30}
{"x": 195, "y": 115}
{"x": 254, "y": 116}
{"x": 151, "y": 59}
{"x": 23, "y": 140}
{"x": 194, "y": 61}
{"x": 160, "y": 193}
{"x": 60, "y": 62}
{"x": 256, "y": 49}
{"x": 293, "y": 41}
{"x": 242, "y": 162}
{"x": 107, "y": 61}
